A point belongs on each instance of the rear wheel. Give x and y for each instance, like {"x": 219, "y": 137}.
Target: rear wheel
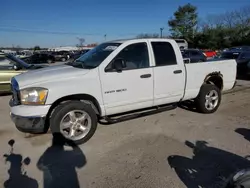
{"x": 49, "y": 61}
{"x": 75, "y": 121}
{"x": 209, "y": 98}
{"x": 63, "y": 59}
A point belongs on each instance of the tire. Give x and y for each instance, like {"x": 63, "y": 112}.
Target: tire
{"x": 201, "y": 101}
{"x": 63, "y": 59}
{"x": 49, "y": 61}
{"x": 62, "y": 110}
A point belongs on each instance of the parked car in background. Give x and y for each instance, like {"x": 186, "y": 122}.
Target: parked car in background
{"x": 11, "y": 66}
{"x": 209, "y": 53}
{"x": 61, "y": 55}
{"x": 40, "y": 58}
{"x": 242, "y": 59}
{"x": 194, "y": 55}
{"x": 23, "y": 54}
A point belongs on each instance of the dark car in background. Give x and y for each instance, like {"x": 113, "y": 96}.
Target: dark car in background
{"x": 242, "y": 58}
{"x": 194, "y": 55}
{"x": 240, "y": 48}
{"x": 40, "y": 58}
{"x": 61, "y": 55}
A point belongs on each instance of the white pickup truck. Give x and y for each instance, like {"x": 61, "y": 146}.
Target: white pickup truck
{"x": 113, "y": 78}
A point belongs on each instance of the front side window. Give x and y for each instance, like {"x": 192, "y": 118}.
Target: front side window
{"x": 164, "y": 53}
{"x": 134, "y": 56}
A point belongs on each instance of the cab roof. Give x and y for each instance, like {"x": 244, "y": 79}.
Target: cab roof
{"x": 139, "y": 39}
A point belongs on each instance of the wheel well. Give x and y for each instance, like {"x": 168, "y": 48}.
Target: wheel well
{"x": 215, "y": 79}
{"x": 79, "y": 97}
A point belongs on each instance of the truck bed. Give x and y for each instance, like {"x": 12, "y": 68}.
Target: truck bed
{"x": 197, "y": 72}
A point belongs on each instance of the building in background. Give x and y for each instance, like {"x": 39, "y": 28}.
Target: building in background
{"x": 69, "y": 48}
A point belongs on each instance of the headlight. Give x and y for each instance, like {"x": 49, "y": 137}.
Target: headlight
{"x": 33, "y": 96}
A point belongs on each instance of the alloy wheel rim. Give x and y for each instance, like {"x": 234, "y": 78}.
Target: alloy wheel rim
{"x": 75, "y": 125}
{"x": 211, "y": 100}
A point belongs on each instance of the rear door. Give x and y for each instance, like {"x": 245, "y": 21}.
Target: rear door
{"x": 169, "y": 73}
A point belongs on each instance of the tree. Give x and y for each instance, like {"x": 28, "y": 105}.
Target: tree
{"x": 184, "y": 23}
{"x": 37, "y": 48}
{"x": 147, "y": 35}
{"x": 81, "y": 42}
{"x": 226, "y": 29}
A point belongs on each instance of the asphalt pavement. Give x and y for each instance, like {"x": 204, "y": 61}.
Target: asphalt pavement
{"x": 178, "y": 148}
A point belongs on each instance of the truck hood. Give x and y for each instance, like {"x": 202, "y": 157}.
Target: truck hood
{"x": 48, "y": 74}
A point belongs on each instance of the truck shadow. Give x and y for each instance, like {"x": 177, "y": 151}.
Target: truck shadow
{"x": 244, "y": 132}
{"x": 59, "y": 165}
{"x": 17, "y": 175}
{"x": 209, "y": 166}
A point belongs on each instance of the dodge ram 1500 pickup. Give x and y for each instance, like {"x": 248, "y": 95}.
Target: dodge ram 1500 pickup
{"x": 113, "y": 78}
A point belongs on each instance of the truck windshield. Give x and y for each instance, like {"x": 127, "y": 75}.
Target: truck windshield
{"x": 96, "y": 56}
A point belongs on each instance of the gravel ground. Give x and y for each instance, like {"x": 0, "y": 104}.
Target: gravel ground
{"x": 178, "y": 148}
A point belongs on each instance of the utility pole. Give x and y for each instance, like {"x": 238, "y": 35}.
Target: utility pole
{"x": 105, "y": 37}
{"x": 161, "y": 29}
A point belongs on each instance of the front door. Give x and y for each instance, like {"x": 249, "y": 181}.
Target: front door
{"x": 132, "y": 87}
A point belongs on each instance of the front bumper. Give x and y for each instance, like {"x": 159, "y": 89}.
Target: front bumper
{"x": 30, "y": 119}
{"x": 29, "y": 124}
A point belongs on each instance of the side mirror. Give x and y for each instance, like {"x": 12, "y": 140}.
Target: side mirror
{"x": 118, "y": 65}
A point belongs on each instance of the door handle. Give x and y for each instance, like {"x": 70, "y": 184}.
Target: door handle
{"x": 177, "y": 71}
{"x": 145, "y": 76}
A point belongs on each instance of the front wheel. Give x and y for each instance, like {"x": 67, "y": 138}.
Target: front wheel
{"x": 75, "y": 121}
{"x": 209, "y": 98}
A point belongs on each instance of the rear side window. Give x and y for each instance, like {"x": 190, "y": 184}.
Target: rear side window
{"x": 164, "y": 53}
